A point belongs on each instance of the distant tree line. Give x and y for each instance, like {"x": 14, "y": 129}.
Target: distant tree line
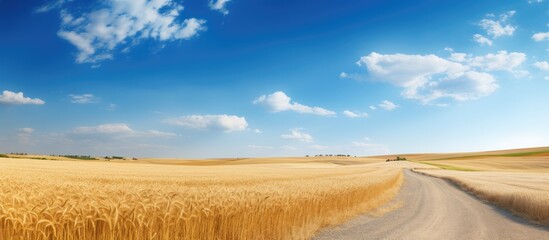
{"x": 398, "y": 158}
{"x": 81, "y": 157}
{"x": 21, "y": 153}
{"x": 331, "y": 155}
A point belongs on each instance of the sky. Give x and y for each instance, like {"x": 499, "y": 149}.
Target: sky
{"x": 244, "y": 78}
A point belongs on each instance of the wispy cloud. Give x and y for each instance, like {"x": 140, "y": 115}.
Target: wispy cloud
{"x": 12, "y": 98}
{"x": 112, "y": 107}
{"x": 219, "y": 5}
{"x": 297, "y": 134}
{"x": 119, "y": 130}
{"x": 279, "y": 102}
{"x": 24, "y": 136}
{"x": 83, "y": 99}
{"x": 96, "y": 34}
{"x": 387, "y": 105}
{"x": 51, "y": 5}
{"x": 482, "y": 40}
{"x": 225, "y": 123}
{"x": 352, "y": 114}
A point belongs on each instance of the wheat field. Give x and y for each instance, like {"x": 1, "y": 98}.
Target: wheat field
{"x": 41, "y": 199}
{"x": 515, "y": 179}
{"x": 524, "y": 193}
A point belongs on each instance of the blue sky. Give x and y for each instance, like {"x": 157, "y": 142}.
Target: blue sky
{"x": 241, "y": 78}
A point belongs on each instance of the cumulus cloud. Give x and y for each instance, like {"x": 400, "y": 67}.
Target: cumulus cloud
{"x": 542, "y": 65}
{"x": 498, "y": 27}
{"x": 297, "y": 134}
{"x": 429, "y": 77}
{"x": 482, "y": 40}
{"x": 12, "y": 98}
{"x": 226, "y": 123}
{"x": 541, "y": 36}
{"x": 352, "y": 114}
{"x": 499, "y": 61}
{"x": 387, "y": 105}
{"x": 96, "y": 34}
{"x": 219, "y": 5}
{"x": 83, "y": 99}
{"x": 279, "y": 102}
{"x": 495, "y": 27}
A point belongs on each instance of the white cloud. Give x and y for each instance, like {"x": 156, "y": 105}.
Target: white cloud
{"x": 83, "y": 99}
{"x": 98, "y": 33}
{"x": 155, "y": 133}
{"x": 498, "y": 27}
{"x": 534, "y": 1}
{"x": 373, "y": 107}
{"x": 387, "y": 105}
{"x": 257, "y": 131}
{"x": 352, "y": 114}
{"x": 26, "y": 130}
{"x": 458, "y": 57}
{"x": 112, "y": 128}
{"x": 546, "y": 78}
{"x": 219, "y": 5}
{"x": 52, "y": 5}
{"x": 542, "y": 65}
{"x": 353, "y": 76}
{"x": 541, "y": 36}
{"x": 498, "y": 62}
{"x": 482, "y": 40}
{"x": 279, "y": 102}
{"x": 119, "y": 130}
{"x": 226, "y": 123}
{"x": 12, "y": 98}
{"x": 429, "y": 77}
{"x": 297, "y": 134}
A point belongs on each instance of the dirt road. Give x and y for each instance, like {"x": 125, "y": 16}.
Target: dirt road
{"x": 435, "y": 209}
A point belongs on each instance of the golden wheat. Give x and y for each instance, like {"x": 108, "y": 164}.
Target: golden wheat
{"x": 99, "y": 200}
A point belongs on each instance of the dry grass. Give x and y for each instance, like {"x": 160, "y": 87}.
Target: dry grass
{"x": 525, "y": 194}
{"x": 517, "y": 160}
{"x": 104, "y": 200}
